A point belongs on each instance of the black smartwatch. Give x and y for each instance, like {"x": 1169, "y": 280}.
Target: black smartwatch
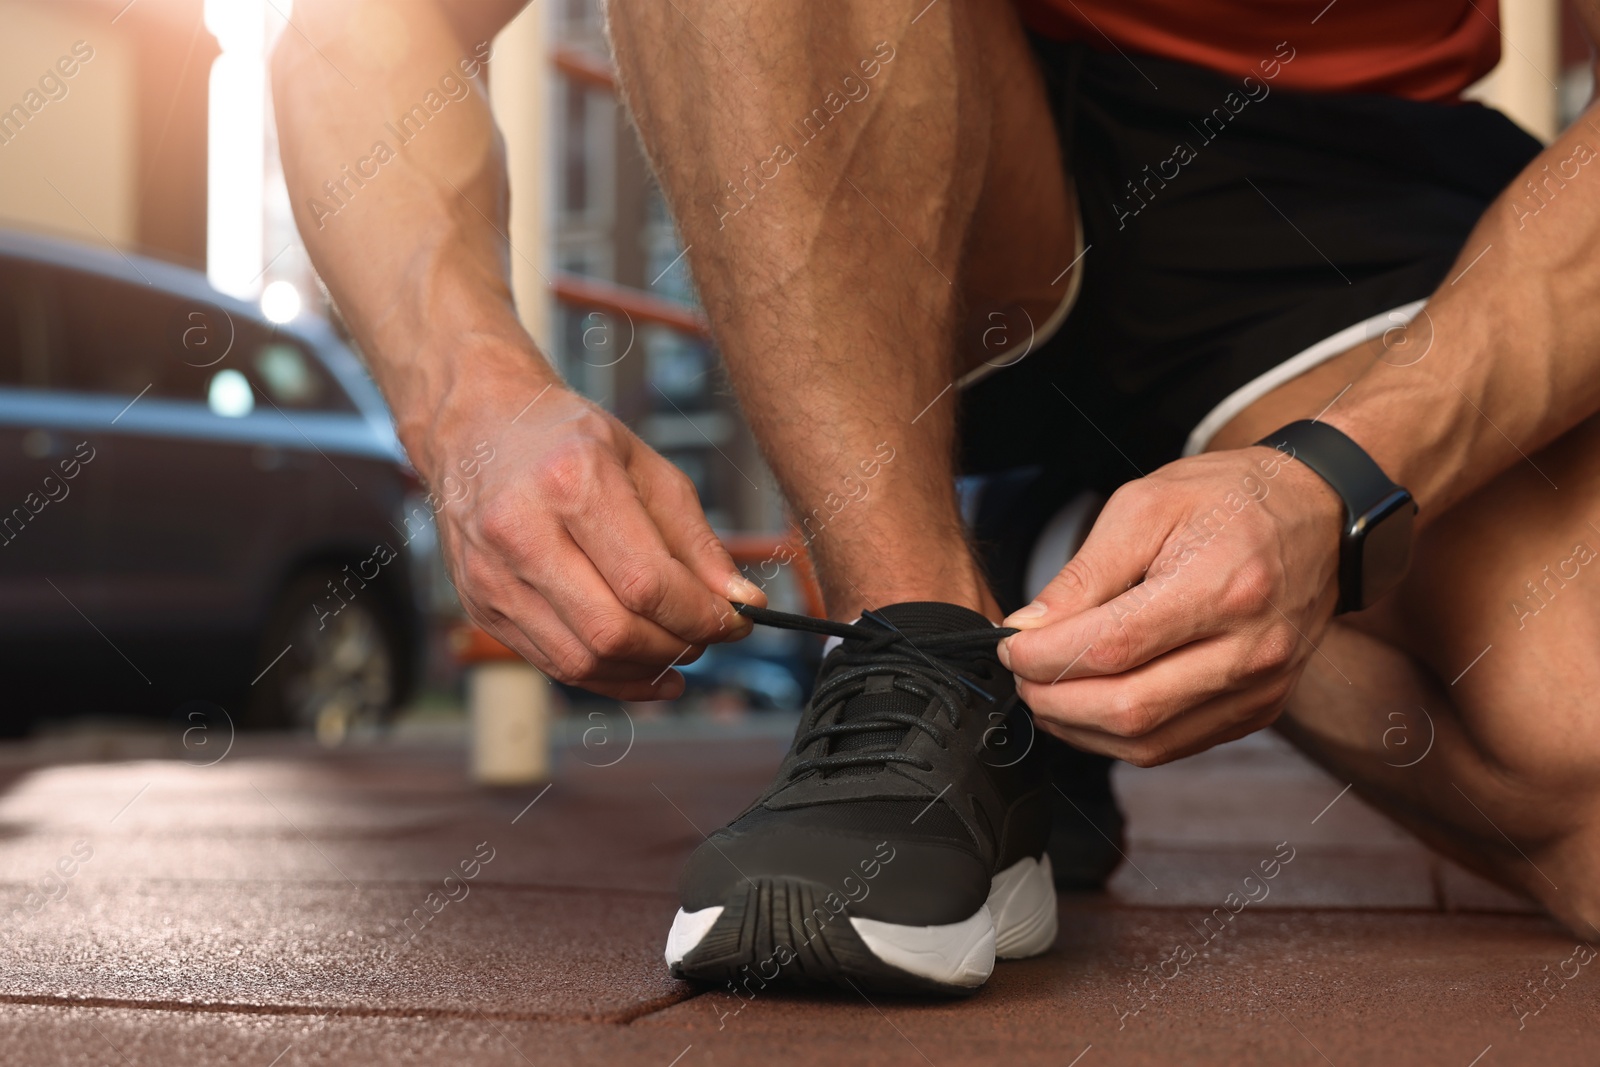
{"x": 1375, "y": 545}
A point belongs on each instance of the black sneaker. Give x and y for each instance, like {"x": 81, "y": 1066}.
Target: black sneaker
{"x": 902, "y": 846}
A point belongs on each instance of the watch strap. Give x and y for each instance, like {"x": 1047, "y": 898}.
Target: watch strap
{"x": 1354, "y": 476}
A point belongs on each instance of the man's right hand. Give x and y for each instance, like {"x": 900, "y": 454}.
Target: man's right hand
{"x": 581, "y": 547}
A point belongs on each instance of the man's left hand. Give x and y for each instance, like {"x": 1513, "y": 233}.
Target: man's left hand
{"x": 1190, "y": 611}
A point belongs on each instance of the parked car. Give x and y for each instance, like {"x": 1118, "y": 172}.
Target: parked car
{"x": 195, "y": 503}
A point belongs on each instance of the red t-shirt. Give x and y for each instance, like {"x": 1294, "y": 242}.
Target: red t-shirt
{"x": 1418, "y": 49}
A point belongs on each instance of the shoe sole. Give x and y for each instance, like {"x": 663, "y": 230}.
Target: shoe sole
{"x": 779, "y": 931}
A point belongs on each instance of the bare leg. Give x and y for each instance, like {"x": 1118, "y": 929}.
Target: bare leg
{"x": 1490, "y": 652}
{"x": 850, "y": 180}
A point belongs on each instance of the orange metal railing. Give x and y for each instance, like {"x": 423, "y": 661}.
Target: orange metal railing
{"x": 584, "y": 68}
{"x": 638, "y": 307}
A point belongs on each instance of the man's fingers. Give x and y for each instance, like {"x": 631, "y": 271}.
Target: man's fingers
{"x": 670, "y": 498}
{"x": 526, "y": 622}
{"x": 605, "y": 626}
{"x": 1142, "y": 700}
{"x": 1120, "y": 547}
{"x": 560, "y": 601}
{"x": 1210, "y": 724}
{"x": 1149, "y": 620}
{"x": 621, "y": 538}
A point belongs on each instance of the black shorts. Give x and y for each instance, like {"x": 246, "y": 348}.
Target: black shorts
{"x": 1230, "y": 227}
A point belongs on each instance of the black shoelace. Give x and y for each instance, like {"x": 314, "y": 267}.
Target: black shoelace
{"x": 930, "y": 667}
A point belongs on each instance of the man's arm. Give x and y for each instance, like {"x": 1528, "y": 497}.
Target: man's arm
{"x": 1514, "y": 338}
{"x": 1150, "y": 646}
{"x": 578, "y": 545}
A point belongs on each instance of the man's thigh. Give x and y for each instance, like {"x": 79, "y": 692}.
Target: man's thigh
{"x": 1503, "y": 604}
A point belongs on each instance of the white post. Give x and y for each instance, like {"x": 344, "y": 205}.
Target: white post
{"x": 1524, "y": 85}
{"x": 509, "y": 703}
{"x": 509, "y": 708}
{"x": 520, "y": 85}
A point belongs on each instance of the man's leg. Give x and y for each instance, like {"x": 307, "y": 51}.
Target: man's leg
{"x": 1490, "y": 653}
{"x": 854, "y": 181}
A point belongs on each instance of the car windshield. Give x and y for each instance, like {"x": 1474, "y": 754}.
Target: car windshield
{"x": 84, "y": 333}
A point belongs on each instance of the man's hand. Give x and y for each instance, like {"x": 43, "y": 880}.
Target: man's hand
{"x": 1190, "y": 611}
{"x": 582, "y": 548}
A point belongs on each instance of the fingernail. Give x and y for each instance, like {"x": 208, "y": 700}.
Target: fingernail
{"x": 1003, "y": 650}
{"x": 1033, "y": 611}
{"x": 743, "y": 589}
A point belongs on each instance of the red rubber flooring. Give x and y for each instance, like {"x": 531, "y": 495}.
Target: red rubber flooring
{"x": 256, "y": 912}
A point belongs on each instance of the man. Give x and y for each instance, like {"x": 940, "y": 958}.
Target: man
{"x": 1214, "y": 224}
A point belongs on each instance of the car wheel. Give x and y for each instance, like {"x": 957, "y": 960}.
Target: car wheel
{"x": 328, "y": 672}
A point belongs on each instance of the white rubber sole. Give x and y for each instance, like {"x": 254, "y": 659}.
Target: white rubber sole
{"x": 1018, "y": 920}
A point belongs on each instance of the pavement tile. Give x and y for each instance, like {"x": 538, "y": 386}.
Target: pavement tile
{"x": 618, "y": 856}
{"x": 1462, "y": 890}
{"x": 1256, "y": 789}
{"x": 509, "y": 953}
{"x": 626, "y": 826}
{"x": 1198, "y": 827}
{"x": 43, "y": 1036}
{"x": 1164, "y": 876}
{"x": 371, "y": 792}
{"x": 239, "y": 795}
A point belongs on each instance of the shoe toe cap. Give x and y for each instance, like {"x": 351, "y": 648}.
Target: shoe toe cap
{"x": 907, "y": 881}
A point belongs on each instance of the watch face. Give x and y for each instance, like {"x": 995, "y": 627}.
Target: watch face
{"x": 1385, "y": 534}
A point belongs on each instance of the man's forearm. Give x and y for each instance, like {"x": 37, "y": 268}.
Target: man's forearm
{"x": 1507, "y": 356}
{"x": 397, "y": 178}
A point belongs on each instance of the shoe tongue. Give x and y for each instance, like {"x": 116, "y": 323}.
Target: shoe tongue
{"x": 914, "y": 619}
{"x": 924, "y": 617}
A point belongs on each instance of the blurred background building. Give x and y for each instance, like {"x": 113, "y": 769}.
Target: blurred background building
{"x": 121, "y": 157}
